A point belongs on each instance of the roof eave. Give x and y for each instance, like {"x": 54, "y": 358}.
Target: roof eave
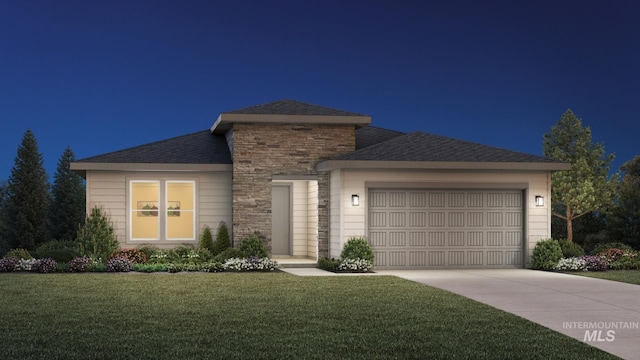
{"x": 82, "y": 167}
{"x": 225, "y": 120}
{"x": 442, "y": 165}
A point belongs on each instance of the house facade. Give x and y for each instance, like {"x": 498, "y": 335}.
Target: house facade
{"x": 306, "y": 178}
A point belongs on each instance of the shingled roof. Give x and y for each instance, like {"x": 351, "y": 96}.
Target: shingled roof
{"x": 371, "y": 135}
{"x": 291, "y": 107}
{"x": 198, "y": 148}
{"x": 420, "y": 146}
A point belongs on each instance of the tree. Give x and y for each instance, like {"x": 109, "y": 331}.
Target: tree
{"x": 26, "y": 204}
{"x": 624, "y": 220}
{"x": 222, "y": 239}
{"x": 96, "y": 237}
{"x": 588, "y": 186}
{"x": 4, "y": 244}
{"x": 67, "y": 210}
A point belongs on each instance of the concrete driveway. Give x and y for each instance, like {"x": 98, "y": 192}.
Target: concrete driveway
{"x": 602, "y": 313}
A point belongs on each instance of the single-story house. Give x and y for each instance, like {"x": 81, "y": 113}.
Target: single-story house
{"x": 308, "y": 177}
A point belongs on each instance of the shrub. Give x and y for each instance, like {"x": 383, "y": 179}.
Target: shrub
{"x": 178, "y": 253}
{"x": 357, "y": 248}
{"x": 595, "y": 263}
{"x": 46, "y": 265}
{"x": 227, "y": 254}
{"x": 159, "y": 257}
{"x": 601, "y": 247}
{"x": 570, "y": 249}
{"x": 118, "y": 264}
{"x": 571, "y": 264}
{"x": 355, "y": 265}
{"x": 630, "y": 260}
{"x": 79, "y": 264}
{"x": 96, "y": 237}
{"x": 148, "y": 268}
{"x": 212, "y": 267}
{"x": 252, "y": 263}
{"x": 19, "y": 254}
{"x": 611, "y": 254}
{"x": 9, "y": 264}
{"x": 60, "y": 251}
{"x": 97, "y": 266}
{"x": 329, "y": 264}
{"x": 25, "y": 264}
{"x": 253, "y": 246}
{"x": 134, "y": 256}
{"x": 206, "y": 239}
{"x": 546, "y": 254}
{"x": 222, "y": 240}
{"x": 149, "y": 250}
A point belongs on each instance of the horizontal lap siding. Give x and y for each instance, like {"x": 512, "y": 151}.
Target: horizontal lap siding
{"x": 108, "y": 190}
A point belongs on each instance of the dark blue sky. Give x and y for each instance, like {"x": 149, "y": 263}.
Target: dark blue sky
{"x": 101, "y": 76}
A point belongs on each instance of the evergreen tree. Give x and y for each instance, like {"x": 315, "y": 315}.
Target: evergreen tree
{"x": 68, "y": 200}
{"x": 222, "y": 239}
{"x": 588, "y": 186}
{"x": 4, "y": 244}
{"x": 624, "y": 220}
{"x": 96, "y": 237}
{"x": 26, "y": 204}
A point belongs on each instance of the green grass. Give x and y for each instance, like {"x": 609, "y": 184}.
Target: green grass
{"x": 259, "y": 315}
{"x": 627, "y": 276}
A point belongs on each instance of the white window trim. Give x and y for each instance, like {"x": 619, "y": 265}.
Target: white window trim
{"x": 133, "y": 209}
{"x": 162, "y": 211}
{"x": 193, "y": 211}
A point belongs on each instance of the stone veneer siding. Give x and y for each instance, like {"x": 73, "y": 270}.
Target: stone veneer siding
{"x": 263, "y": 150}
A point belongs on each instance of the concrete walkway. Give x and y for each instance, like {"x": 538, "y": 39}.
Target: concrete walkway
{"x": 601, "y": 313}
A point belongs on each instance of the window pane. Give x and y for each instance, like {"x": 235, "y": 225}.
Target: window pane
{"x": 180, "y": 210}
{"x": 144, "y": 210}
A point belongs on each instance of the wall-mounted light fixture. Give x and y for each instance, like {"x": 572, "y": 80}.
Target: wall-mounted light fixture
{"x": 539, "y": 200}
{"x": 355, "y": 200}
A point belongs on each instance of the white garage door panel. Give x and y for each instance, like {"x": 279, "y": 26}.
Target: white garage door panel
{"x": 446, "y": 228}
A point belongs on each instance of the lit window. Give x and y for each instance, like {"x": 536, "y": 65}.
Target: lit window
{"x": 162, "y": 210}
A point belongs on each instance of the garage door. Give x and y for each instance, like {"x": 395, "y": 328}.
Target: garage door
{"x": 433, "y": 229}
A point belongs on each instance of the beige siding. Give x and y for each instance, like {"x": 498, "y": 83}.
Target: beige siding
{"x": 348, "y": 220}
{"x": 300, "y": 207}
{"x": 335, "y": 213}
{"x": 312, "y": 219}
{"x": 108, "y": 190}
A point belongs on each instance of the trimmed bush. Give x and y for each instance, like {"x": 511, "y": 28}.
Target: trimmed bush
{"x": 253, "y": 246}
{"x": 222, "y": 240}
{"x": 19, "y": 254}
{"x": 47, "y": 265}
{"x": 79, "y": 264}
{"x": 570, "y": 249}
{"x": 118, "y": 264}
{"x": 206, "y": 239}
{"x": 134, "y": 256}
{"x": 60, "y": 251}
{"x": 329, "y": 264}
{"x": 357, "y": 248}
{"x": 212, "y": 267}
{"x": 546, "y": 254}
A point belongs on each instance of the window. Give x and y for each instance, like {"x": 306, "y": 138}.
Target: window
{"x": 162, "y": 210}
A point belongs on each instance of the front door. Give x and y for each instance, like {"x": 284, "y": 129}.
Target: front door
{"x": 281, "y": 220}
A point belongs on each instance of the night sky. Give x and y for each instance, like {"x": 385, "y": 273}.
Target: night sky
{"x": 101, "y": 76}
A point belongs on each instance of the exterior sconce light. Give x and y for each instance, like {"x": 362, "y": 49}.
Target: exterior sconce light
{"x": 355, "y": 200}
{"x": 539, "y": 200}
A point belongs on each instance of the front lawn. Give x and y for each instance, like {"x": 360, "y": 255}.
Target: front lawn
{"x": 259, "y": 315}
{"x": 628, "y": 276}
